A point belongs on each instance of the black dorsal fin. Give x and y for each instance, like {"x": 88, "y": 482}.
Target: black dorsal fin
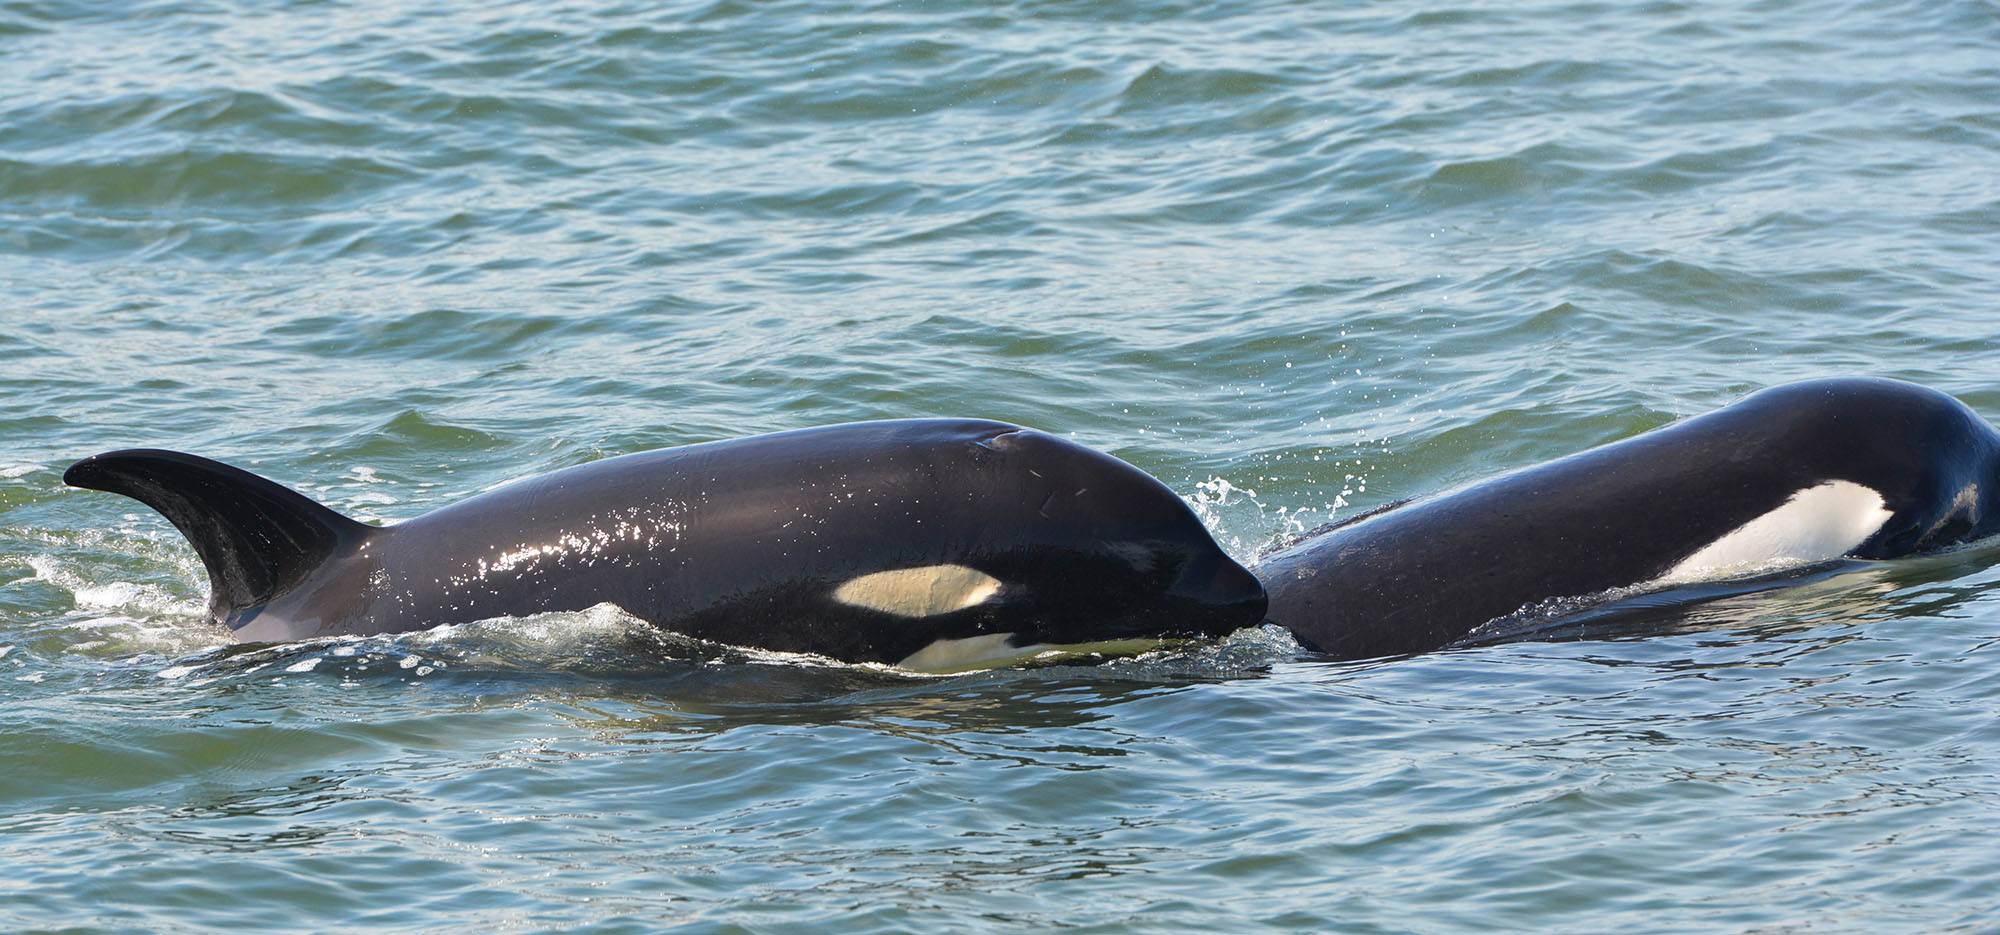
{"x": 257, "y": 538}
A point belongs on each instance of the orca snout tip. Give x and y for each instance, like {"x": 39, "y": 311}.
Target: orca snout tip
{"x": 1235, "y": 595}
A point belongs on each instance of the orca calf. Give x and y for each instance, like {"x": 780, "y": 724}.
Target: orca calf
{"x": 1794, "y": 475}
{"x": 931, "y": 543}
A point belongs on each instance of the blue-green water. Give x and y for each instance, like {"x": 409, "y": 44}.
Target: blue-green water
{"x": 1293, "y": 260}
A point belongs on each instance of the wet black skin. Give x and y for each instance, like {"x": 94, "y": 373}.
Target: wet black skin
{"x": 742, "y": 541}
{"x": 1421, "y": 575}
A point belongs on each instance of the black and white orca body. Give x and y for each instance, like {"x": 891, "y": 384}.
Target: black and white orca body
{"x": 1794, "y": 475}
{"x": 934, "y": 543}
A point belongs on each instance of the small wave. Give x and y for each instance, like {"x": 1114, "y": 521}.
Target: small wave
{"x": 124, "y": 636}
{"x": 1245, "y": 652}
{"x": 116, "y": 609}
{"x": 1163, "y": 86}
{"x": 605, "y": 642}
{"x": 151, "y": 600}
{"x": 218, "y": 182}
{"x": 602, "y": 638}
{"x": 1533, "y": 171}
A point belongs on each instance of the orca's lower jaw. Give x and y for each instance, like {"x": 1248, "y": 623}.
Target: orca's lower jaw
{"x": 1220, "y": 619}
{"x": 1171, "y": 618}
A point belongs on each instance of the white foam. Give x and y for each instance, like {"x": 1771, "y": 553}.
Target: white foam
{"x": 117, "y": 634}
{"x": 1221, "y": 506}
{"x": 150, "y": 599}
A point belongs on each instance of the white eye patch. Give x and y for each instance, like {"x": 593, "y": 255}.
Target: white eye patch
{"x": 919, "y": 592}
{"x": 1817, "y": 524}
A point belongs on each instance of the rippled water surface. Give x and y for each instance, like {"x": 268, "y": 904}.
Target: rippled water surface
{"x": 1294, "y": 260}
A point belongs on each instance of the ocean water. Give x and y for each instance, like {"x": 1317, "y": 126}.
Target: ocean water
{"x": 1296, "y": 260}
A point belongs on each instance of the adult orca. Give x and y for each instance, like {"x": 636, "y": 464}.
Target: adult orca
{"x": 1794, "y": 475}
{"x": 931, "y": 543}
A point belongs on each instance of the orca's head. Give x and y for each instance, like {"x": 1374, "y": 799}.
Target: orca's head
{"x": 1099, "y": 550}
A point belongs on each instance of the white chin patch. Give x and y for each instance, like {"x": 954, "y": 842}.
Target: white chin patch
{"x": 972, "y": 652}
{"x": 994, "y": 650}
{"x": 919, "y": 592}
{"x": 1817, "y": 524}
